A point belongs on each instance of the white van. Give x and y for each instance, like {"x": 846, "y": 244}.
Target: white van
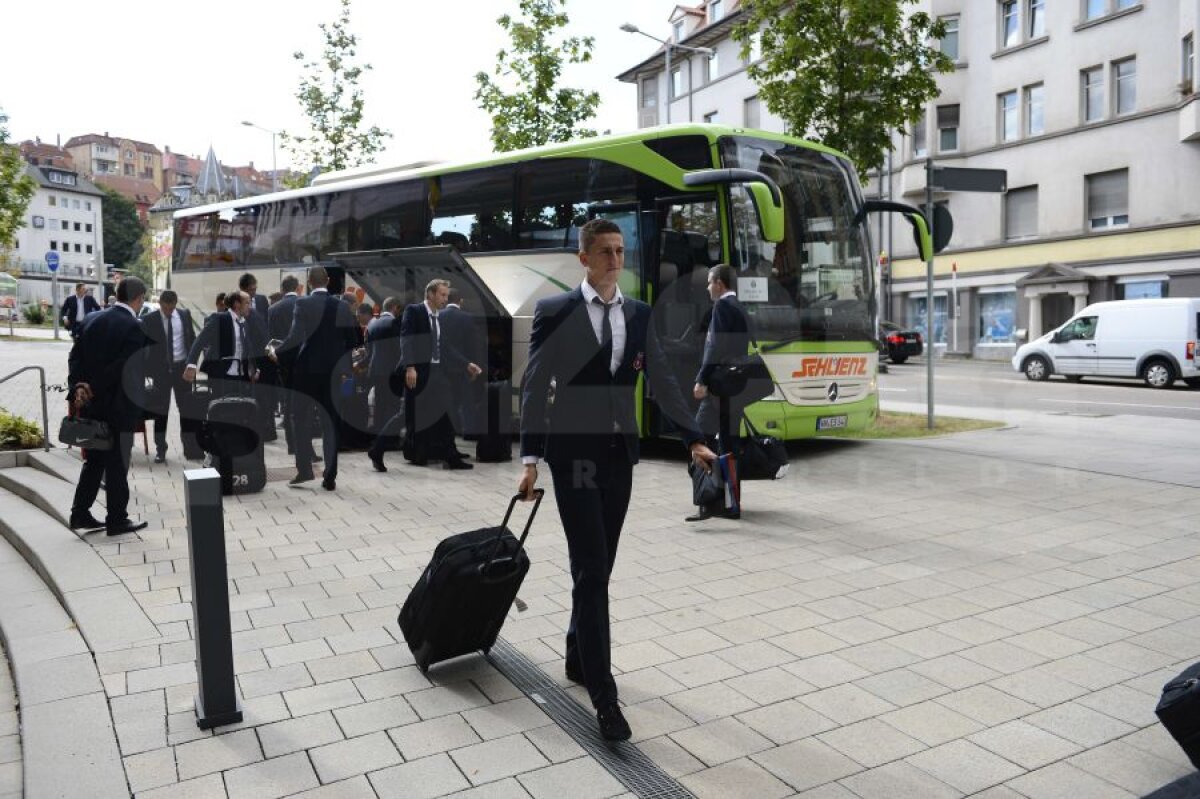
{"x": 1155, "y": 340}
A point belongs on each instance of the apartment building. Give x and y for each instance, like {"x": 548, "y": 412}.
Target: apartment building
{"x": 101, "y": 154}
{"x": 1091, "y": 107}
{"x": 64, "y": 216}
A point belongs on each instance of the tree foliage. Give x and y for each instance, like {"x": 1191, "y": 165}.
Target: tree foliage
{"x": 122, "y": 230}
{"x": 16, "y": 188}
{"x": 535, "y": 110}
{"x": 333, "y": 103}
{"x": 848, "y": 73}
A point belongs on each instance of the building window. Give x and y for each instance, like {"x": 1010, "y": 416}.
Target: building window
{"x": 78, "y": 248}
{"x": 89, "y": 249}
{"x": 1035, "y": 115}
{"x": 39, "y": 222}
{"x": 129, "y": 155}
{"x": 1009, "y": 126}
{"x": 947, "y": 122}
{"x": 1093, "y": 94}
{"x": 1108, "y": 200}
{"x": 87, "y": 228}
{"x": 53, "y": 245}
{"x": 997, "y": 317}
{"x": 53, "y": 201}
{"x": 66, "y": 225}
{"x": 650, "y": 93}
{"x": 1123, "y": 4}
{"x": 677, "y": 30}
{"x": 716, "y": 10}
{"x": 712, "y": 118}
{"x": 1095, "y": 9}
{"x": 88, "y": 204}
{"x": 676, "y": 82}
{"x": 920, "y": 139}
{"x": 917, "y": 321}
{"x": 1020, "y": 213}
{"x": 1037, "y": 18}
{"x": 713, "y": 69}
{"x": 949, "y": 43}
{"x": 1142, "y": 289}
{"x": 751, "y": 113}
{"x": 1010, "y": 26}
{"x": 1187, "y": 82}
{"x": 75, "y": 204}
{"x": 76, "y": 227}
{"x": 1125, "y": 85}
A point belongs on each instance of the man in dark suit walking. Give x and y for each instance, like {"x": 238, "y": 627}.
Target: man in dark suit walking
{"x": 76, "y": 308}
{"x": 171, "y": 336}
{"x": 594, "y": 343}
{"x": 728, "y": 338}
{"x": 230, "y": 347}
{"x": 324, "y": 332}
{"x": 108, "y": 384}
{"x": 427, "y": 359}
{"x": 279, "y": 324}
{"x": 268, "y": 374}
{"x": 383, "y": 356}
{"x": 460, "y": 331}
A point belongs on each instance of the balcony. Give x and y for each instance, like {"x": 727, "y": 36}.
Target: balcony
{"x": 1189, "y": 119}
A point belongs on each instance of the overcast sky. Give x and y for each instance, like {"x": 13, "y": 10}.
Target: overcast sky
{"x": 186, "y": 75}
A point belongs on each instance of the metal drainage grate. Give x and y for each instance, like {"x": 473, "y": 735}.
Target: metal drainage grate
{"x": 623, "y": 760}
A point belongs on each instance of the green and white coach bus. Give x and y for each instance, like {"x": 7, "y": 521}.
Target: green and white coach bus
{"x": 787, "y": 214}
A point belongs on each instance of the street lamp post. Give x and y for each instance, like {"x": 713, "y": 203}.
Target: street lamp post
{"x": 274, "y": 162}
{"x": 629, "y": 27}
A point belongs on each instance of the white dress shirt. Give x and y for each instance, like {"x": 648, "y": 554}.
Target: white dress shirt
{"x": 132, "y": 312}
{"x": 79, "y": 307}
{"x": 436, "y": 328}
{"x": 616, "y": 318}
{"x": 178, "y": 353}
{"x": 239, "y": 333}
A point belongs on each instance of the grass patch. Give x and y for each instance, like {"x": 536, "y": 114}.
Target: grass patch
{"x": 915, "y": 425}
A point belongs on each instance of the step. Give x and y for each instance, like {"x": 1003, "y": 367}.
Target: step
{"x": 62, "y": 463}
{"x": 68, "y": 743}
{"x": 108, "y": 616}
{"x": 50, "y": 493}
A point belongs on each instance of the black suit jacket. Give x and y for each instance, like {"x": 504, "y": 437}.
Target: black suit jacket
{"x": 71, "y": 306}
{"x": 416, "y": 341}
{"x": 108, "y": 357}
{"x": 158, "y": 351}
{"x": 279, "y": 317}
{"x": 728, "y": 337}
{"x": 383, "y": 346}
{"x": 590, "y": 403}
{"x": 323, "y": 333}
{"x": 261, "y": 306}
{"x": 216, "y": 344}
{"x": 462, "y": 331}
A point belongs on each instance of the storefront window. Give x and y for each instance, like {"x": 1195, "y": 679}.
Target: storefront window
{"x": 997, "y": 317}
{"x": 917, "y": 321}
{"x": 1142, "y": 290}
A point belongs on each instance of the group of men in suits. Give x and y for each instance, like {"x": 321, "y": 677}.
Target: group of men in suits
{"x": 423, "y": 357}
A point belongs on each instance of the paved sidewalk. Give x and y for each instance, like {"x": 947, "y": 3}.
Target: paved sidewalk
{"x": 10, "y": 734}
{"x": 979, "y": 615}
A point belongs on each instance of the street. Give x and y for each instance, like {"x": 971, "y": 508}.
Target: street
{"x": 994, "y": 384}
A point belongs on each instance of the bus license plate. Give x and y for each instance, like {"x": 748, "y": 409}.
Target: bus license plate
{"x": 831, "y": 422}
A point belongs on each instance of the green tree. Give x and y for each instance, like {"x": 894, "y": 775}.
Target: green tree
{"x": 536, "y": 110}
{"x": 846, "y": 72}
{"x": 16, "y": 188}
{"x": 122, "y": 230}
{"x": 142, "y": 265}
{"x": 333, "y": 103}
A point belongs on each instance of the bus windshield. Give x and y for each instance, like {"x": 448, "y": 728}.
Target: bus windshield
{"x": 818, "y": 283}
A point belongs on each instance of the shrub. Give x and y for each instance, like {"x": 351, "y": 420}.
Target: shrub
{"x": 17, "y": 432}
{"x": 34, "y": 314}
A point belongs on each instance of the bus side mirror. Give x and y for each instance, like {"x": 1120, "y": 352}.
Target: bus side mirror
{"x": 764, "y": 193}
{"x": 927, "y": 242}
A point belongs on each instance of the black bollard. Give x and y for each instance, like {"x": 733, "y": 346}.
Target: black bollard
{"x": 216, "y": 700}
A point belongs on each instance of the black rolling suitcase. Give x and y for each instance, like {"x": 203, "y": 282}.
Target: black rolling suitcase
{"x": 460, "y": 603}
{"x": 232, "y": 436}
{"x": 1179, "y": 711}
{"x": 495, "y": 443}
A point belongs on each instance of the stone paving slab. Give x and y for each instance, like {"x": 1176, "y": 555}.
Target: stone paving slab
{"x": 49, "y": 493}
{"x": 1012, "y": 607}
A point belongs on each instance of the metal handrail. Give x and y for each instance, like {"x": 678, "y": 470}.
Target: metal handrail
{"x": 45, "y": 412}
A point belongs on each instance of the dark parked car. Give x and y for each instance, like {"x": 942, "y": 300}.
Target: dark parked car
{"x": 899, "y": 344}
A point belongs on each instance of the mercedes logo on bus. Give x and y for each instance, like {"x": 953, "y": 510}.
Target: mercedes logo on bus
{"x": 832, "y": 392}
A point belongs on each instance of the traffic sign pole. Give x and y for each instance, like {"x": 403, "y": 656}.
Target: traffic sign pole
{"x": 52, "y": 265}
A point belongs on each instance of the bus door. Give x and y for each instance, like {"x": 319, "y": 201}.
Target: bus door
{"x": 688, "y": 243}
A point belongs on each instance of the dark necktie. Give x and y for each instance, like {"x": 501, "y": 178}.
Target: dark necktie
{"x": 170, "y": 341}
{"x": 437, "y": 340}
{"x": 606, "y": 336}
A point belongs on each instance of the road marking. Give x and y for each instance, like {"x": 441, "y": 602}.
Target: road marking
{"x": 1122, "y": 404}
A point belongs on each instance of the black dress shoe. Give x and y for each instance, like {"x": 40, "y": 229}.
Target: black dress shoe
{"x": 613, "y": 725}
{"x": 125, "y": 526}
{"x": 301, "y": 478}
{"x": 377, "y": 461}
{"x": 160, "y": 457}
{"x": 699, "y": 516}
{"x": 457, "y": 464}
{"x": 731, "y": 514}
{"x": 575, "y": 674}
{"x": 86, "y": 521}
{"x": 329, "y": 484}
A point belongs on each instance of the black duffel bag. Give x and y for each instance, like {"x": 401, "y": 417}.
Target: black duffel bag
{"x": 746, "y": 378}
{"x": 761, "y": 457}
{"x": 85, "y": 433}
{"x": 1179, "y": 711}
{"x": 231, "y": 427}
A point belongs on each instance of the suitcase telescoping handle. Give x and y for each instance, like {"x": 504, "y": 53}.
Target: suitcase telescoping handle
{"x": 497, "y": 569}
